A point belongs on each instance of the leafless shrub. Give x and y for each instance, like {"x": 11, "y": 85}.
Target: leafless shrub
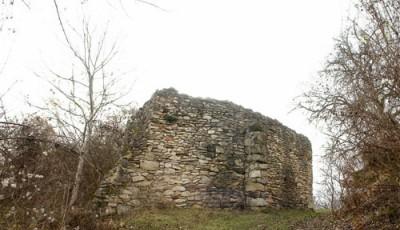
{"x": 37, "y": 171}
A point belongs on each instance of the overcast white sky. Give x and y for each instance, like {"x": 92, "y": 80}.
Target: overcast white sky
{"x": 256, "y": 53}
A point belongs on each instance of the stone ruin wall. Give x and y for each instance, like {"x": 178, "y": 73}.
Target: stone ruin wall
{"x": 192, "y": 152}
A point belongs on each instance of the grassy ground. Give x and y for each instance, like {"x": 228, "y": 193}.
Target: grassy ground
{"x": 200, "y": 219}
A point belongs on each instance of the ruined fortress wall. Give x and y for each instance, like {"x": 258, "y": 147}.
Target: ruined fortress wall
{"x": 191, "y": 152}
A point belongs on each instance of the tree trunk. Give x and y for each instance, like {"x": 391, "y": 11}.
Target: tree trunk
{"x": 78, "y": 179}
{"x": 79, "y": 170}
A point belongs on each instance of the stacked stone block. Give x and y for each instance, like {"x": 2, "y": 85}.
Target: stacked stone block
{"x": 193, "y": 152}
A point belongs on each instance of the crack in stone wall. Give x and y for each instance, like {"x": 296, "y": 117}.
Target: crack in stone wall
{"x": 193, "y": 152}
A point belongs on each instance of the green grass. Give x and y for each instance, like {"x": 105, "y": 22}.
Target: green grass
{"x": 200, "y": 219}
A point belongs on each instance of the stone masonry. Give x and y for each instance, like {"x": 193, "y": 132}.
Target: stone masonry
{"x": 193, "y": 152}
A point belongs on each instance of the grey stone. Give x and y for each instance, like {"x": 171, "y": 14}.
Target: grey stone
{"x": 251, "y": 187}
{"x": 257, "y": 202}
{"x": 110, "y": 211}
{"x": 255, "y": 173}
{"x": 137, "y": 178}
{"x": 169, "y": 193}
{"x": 180, "y": 201}
{"x": 149, "y": 165}
{"x": 123, "y": 209}
{"x": 207, "y": 117}
{"x": 219, "y": 149}
{"x": 143, "y": 183}
{"x": 178, "y": 188}
{"x": 205, "y": 180}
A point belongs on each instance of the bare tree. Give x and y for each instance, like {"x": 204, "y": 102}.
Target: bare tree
{"x": 332, "y": 191}
{"x": 82, "y": 99}
{"x": 358, "y": 98}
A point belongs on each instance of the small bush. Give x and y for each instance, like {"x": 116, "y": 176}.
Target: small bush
{"x": 81, "y": 219}
{"x": 256, "y": 127}
{"x": 170, "y": 119}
